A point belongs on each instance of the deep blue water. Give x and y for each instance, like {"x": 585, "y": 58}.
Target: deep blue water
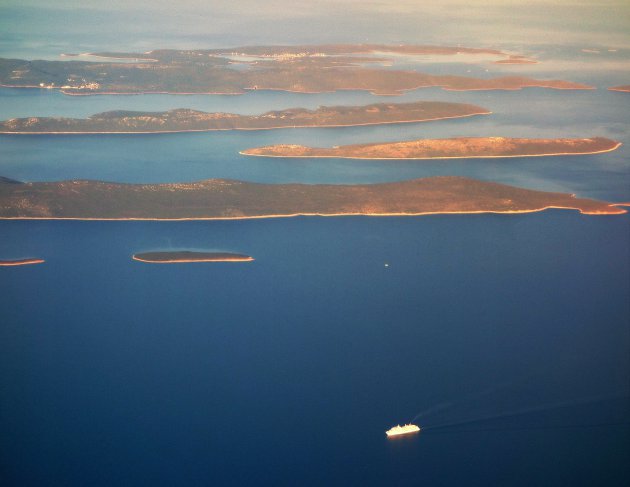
{"x": 288, "y": 370}
{"x": 505, "y": 337}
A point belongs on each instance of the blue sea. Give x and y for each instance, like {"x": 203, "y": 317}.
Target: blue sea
{"x": 505, "y": 337}
{"x": 288, "y": 370}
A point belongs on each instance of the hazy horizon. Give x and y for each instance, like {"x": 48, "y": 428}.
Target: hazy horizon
{"x": 32, "y": 25}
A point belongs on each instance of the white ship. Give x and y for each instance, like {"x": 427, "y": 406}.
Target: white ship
{"x": 403, "y": 430}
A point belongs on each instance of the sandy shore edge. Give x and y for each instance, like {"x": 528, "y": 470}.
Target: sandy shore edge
{"x": 193, "y": 261}
{"x": 615, "y": 211}
{"x": 14, "y": 263}
{"x": 619, "y": 144}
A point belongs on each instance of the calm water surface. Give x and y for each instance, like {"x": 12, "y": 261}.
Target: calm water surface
{"x": 506, "y": 336}
{"x": 288, "y": 370}
{"x": 195, "y": 156}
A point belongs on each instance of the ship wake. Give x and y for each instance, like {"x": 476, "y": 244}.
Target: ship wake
{"x": 481, "y": 422}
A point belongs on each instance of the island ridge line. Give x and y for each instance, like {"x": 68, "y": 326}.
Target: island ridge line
{"x": 229, "y": 199}
{"x": 454, "y": 148}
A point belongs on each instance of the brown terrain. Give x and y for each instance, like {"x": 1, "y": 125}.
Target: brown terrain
{"x": 623, "y": 88}
{"x": 455, "y": 148}
{"x": 228, "y": 199}
{"x": 184, "y": 120}
{"x": 304, "y": 69}
{"x": 516, "y": 60}
{"x": 186, "y": 256}
{"x": 340, "y": 49}
{"x": 12, "y": 263}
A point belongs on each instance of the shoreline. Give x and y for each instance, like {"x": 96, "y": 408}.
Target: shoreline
{"x": 327, "y": 215}
{"x": 249, "y": 129}
{"x": 619, "y": 144}
{"x": 19, "y": 262}
{"x": 225, "y": 199}
{"x": 246, "y": 90}
{"x": 192, "y": 261}
{"x": 516, "y": 62}
{"x": 584, "y": 87}
{"x": 128, "y": 59}
{"x": 122, "y": 93}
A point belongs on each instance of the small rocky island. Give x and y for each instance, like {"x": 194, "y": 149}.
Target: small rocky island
{"x": 187, "y": 256}
{"x": 301, "y": 69}
{"x": 454, "y": 148}
{"x": 228, "y": 199}
{"x": 18, "y": 262}
{"x": 184, "y": 120}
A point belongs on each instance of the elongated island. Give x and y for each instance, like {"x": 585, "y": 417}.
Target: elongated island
{"x": 455, "y": 148}
{"x": 302, "y": 69}
{"x": 228, "y": 199}
{"x": 18, "y": 262}
{"x": 188, "y": 256}
{"x": 623, "y": 88}
{"x": 184, "y": 120}
{"x": 516, "y": 59}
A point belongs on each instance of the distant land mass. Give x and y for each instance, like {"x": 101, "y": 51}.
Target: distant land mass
{"x": 516, "y": 60}
{"x": 302, "y": 69}
{"x": 306, "y": 50}
{"x": 17, "y": 262}
{"x": 454, "y": 148}
{"x": 228, "y": 199}
{"x": 185, "y": 120}
{"x": 624, "y": 88}
{"x": 188, "y": 256}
